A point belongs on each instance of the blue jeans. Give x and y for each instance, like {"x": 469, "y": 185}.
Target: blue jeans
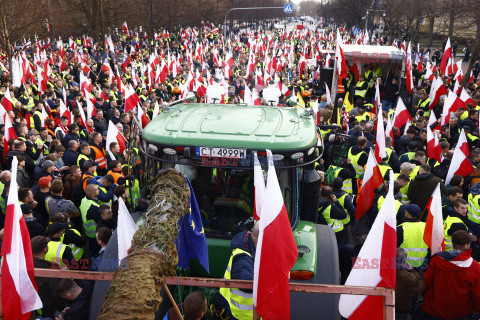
{"x": 387, "y": 105}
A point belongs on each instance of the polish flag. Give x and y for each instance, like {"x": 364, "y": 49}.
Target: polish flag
{"x": 438, "y": 90}
{"x": 389, "y": 131}
{"x": 9, "y": 133}
{"x": 84, "y": 120}
{"x": 380, "y": 149}
{"x": 401, "y": 114}
{"x": 131, "y": 98}
{"x": 377, "y": 102}
{"x": 64, "y": 112}
{"x": 381, "y": 246}
{"x": 125, "y": 28}
{"x": 327, "y": 60}
{"x": 113, "y": 135}
{"x": 460, "y": 163}
{"x": 372, "y": 179}
{"x": 259, "y": 186}
{"x": 328, "y": 94}
{"x": 447, "y": 54}
{"x": 156, "y": 110}
{"x": 19, "y": 290}
{"x": 276, "y": 253}
{"x": 247, "y": 97}
{"x": 432, "y": 120}
{"x": 340, "y": 58}
{"x": 91, "y": 110}
{"x": 433, "y": 146}
{"x": 141, "y": 117}
{"x": 409, "y": 70}
{"x": 256, "y": 98}
{"x": 464, "y": 96}
{"x": 126, "y": 228}
{"x": 107, "y": 70}
{"x": 7, "y": 102}
{"x": 433, "y": 235}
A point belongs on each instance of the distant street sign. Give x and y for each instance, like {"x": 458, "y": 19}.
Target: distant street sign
{"x": 288, "y": 8}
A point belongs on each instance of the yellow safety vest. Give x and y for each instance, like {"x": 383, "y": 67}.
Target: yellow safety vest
{"x": 55, "y": 252}
{"x": 76, "y": 251}
{"x": 423, "y": 105}
{"x": 347, "y": 183}
{"x": 381, "y": 199}
{"x": 90, "y": 226}
{"x": 337, "y": 225}
{"x": 358, "y": 168}
{"x": 473, "y": 213}
{"x": 341, "y": 200}
{"x": 358, "y": 92}
{"x": 446, "y": 227}
{"x": 241, "y": 303}
{"x": 413, "y": 243}
{"x": 80, "y": 157}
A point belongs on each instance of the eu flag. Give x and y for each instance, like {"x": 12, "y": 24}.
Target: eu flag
{"x": 191, "y": 241}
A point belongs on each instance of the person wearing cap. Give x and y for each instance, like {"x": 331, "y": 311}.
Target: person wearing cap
{"x": 90, "y": 216}
{"x": 46, "y": 286}
{"x": 359, "y": 155}
{"x": 57, "y": 251}
{"x": 72, "y": 237}
{"x": 456, "y": 220}
{"x": 90, "y": 171}
{"x": 48, "y": 167}
{"x": 408, "y": 285}
{"x": 34, "y": 228}
{"x": 410, "y": 236}
{"x": 452, "y": 281}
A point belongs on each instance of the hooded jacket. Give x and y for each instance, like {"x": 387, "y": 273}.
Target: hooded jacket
{"x": 452, "y": 285}
{"x": 422, "y": 187}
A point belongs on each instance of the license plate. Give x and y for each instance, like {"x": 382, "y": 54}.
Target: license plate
{"x": 221, "y": 152}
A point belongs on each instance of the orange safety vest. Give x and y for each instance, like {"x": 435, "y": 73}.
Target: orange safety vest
{"x": 115, "y": 175}
{"x": 340, "y": 86}
{"x": 100, "y": 157}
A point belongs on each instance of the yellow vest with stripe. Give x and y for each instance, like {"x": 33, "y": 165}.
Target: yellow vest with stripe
{"x": 80, "y": 157}
{"x": 347, "y": 183}
{"x": 341, "y": 200}
{"x": 403, "y": 194}
{"x": 384, "y": 169}
{"x": 90, "y": 226}
{"x": 358, "y": 92}
{"x": 446, "y": 226}
{"x": 76, "y": 251}
{"x": 364, "y": 117}
{"x": 381, "y": 199}
{"x": 55, "y": 252}
{"x": 241, "y": 303}
{"x": 337, "y": 225}
{"x": 104, "y": 190}
{"x": 423, "y": 105}
{"x": 473, "y": 213}
{"x": 358, "y": 168}
{"x": 413, "y": 243}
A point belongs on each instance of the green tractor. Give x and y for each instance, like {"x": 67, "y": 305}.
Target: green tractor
{"x": 213, "y": 145}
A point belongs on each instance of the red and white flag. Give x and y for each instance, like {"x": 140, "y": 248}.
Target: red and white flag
{"x": 64, "y": 112}
{"x": 447, "y": 54}
{"x": 275, "y": 255}
{"x": 460, "y": 163}
{"x": 340, "y": 58}
{"x": 131, "y": 98}
{"x": 9, "y": 133}
{"x": 19, "y": 290}
{"x": 372, "y": 179}
{"x": 438, "y": 89}
{"x": 464, "y": 96}
{"x": 389, "y": 131}
{"x": 142, "y": 117}
{"x": 380, "y": 146}
{"x": 126, "y": 228}
{"x": 7, "y": 102}
{"x": 433, "y": 146}
{"x": 433, "y": 235}
{"x": 377, "y": 102}
{"x": 113, "y": 135}
{"x": 401, "y": 114}
{"x": 379, "y": 253}
{"x": 259, "y": 186}
{"x": 409, "y": 69}
{"x": 125, "y": 28}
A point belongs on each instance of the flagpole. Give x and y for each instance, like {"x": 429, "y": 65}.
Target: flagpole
{"x": 169, "y": 294}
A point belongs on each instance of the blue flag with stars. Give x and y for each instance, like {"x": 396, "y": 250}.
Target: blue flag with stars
{"x": 191, "y": 241}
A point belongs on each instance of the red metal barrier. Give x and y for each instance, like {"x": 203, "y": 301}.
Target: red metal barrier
{"x": 387, "y": 293}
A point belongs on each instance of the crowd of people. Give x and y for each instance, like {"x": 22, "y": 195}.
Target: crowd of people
{"x": 60, "y": 98}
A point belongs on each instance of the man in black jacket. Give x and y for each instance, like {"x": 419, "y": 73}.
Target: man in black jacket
{"x": 72, "y": 134}
{"x": 80, "y": 298}
{"x": 46, "y": 286}
{"x": 20, "y": 148}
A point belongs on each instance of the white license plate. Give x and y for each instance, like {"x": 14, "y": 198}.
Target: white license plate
{"x": 221, "y": 152}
